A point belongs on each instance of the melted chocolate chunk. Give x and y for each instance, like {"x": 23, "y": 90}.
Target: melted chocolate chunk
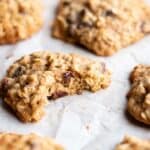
{"x": 108, "y": 13}
{"x": 67, "y": 77}
{"x": 57, "y": 94}
{"x": 22, "y": 10}
{"x": 145, "y": 27}
{"x": 82, "y": 13}
{"x": 33, "y": 145}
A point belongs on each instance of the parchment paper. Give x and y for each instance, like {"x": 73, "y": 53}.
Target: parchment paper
{"x": 91, "y": 121}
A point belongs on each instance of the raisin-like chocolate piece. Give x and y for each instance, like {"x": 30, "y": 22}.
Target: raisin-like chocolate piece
{"x": 57, "y": 94}
{"x": 22, "y": 10}
{"x": 145, "y": 27}
{"x": 33, "y": 145}
{"x": 67, "y": 77}
{"x": 18, "y": 72}
{"x": 108, "y": 13}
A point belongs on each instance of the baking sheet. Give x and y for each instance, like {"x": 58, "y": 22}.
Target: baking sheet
{"x": 91, "y": 121}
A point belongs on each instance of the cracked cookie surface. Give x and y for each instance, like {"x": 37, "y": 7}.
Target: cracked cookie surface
{"x": 34, "y": 79}
{"x": 133, "y": 143}
{"x": 11, "y": 141}
{"x": 139, "y": 95}
{"x": 102, "y": 26}
{"x": 19, "y": 19}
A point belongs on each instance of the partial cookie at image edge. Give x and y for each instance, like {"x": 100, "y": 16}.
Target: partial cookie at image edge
{"x": 138, "y": 104}
{"x": 133, "y": 143}
{"x": 19, "y": 20}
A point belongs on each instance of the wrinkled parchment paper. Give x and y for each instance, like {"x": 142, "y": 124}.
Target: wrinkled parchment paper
{"x": 91, "y": 121}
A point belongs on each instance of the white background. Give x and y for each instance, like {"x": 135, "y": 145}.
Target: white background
{"x": 91, "y": 121}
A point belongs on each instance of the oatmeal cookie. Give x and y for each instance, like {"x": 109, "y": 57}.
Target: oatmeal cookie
{"x": 34, "y": 79}
{"x": 139, "y": 95}
{"x": 133, "y": 143}
{"x": 11, "y": 141}
{"x": 19, "y": 19}
{"x": 102, "y": 26}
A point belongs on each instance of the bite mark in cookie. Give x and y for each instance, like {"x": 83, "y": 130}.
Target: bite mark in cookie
{"x": 34, "y": 79}
{"x": 103, "y": 27}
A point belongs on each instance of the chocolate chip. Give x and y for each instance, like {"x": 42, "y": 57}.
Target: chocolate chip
{"x": 4, "y": 82}
{"x": 4, "y": 86}
{"x": 73, "y": 27}
{"x": 147, "y": 89}
{"x": 67, "y": 77}
{"x": 19, "y": 71}
{"x": 78, "y": 22}
{"x": 76, "y": 18}
{"x": 108, "y": 13}
{"x": 145, "y": 27}
{"x": 82, "y": 23}
{"x": 33, "y": 145}
{"x": 65, "y": 3}
{"x": 49, "y": 97}
{"x": 82, "y": 13}
{"x": 21, "y": 10}
{"x": 87, "y": 5}
{"x": 57, "y": 94}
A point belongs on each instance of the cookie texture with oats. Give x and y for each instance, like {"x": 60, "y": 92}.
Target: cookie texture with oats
{"x": 12, "y": 141}
{"x": 102, "y": 26}
{"x": 139, "y": 95}
{"x": 133, "y": 143}
{"x": 41, "y": 76}
{"x": 19, "y": 19}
